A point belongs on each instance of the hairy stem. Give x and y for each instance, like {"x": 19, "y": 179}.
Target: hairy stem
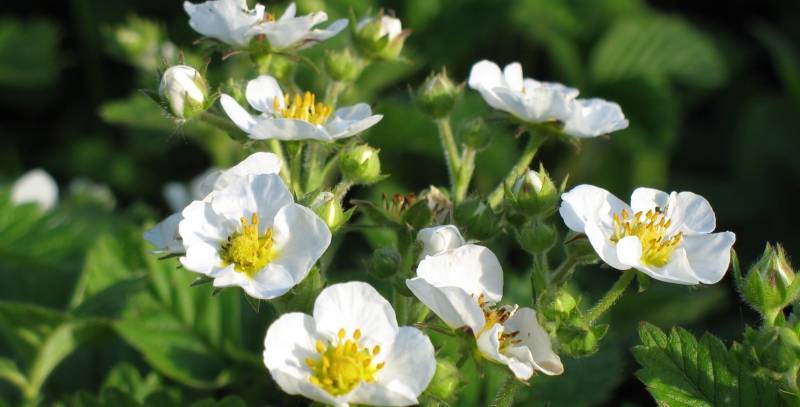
{"x": 450, "y": 149}
{"x": 464, "y": 174}
{"x": 613, "y": 294}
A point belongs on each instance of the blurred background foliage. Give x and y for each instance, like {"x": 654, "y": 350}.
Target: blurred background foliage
{"x": 712, "y": 91}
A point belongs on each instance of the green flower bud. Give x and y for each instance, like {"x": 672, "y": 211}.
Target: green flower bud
{"x": 360, "y": 164}
{"x": 184, "y": 91}
{"x": 327, "y": 207}
{"x": 342, "y": 65}
{"x": 445, "y": 382}
{"x": 384, "y": 262}
{"x": 380, "y": 37}
{"x": 418, "y": 215}
{"x": 535, "y": 194}
{"x": 475, "y": 134}
{"x": 476, "y": 219}
{"x": 536, "y": 237}
{"x": 769, "y": 285}
{"x": 437, "y": 95}
{"x": 577, "y": 341}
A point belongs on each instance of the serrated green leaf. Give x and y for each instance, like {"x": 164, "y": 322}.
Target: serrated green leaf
{"x": 679, "y": 370}
{"x": 658, "y": 47}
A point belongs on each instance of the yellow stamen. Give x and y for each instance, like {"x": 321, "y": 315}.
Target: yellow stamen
{"x": 343, "y": 364}
{"x": 651, "y": 229}
{"x": 302, "y": 107}
{"x": 246, "y": 250}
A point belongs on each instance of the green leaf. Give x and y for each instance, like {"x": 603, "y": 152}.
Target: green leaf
{"x": 126, "y": 378}
{"x": 658, "y": 47}
{"x": 29, "y": 51}
{"x": 679, "y": 370}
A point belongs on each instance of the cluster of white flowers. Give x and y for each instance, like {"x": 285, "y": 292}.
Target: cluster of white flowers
{"x": 241, "y": 226}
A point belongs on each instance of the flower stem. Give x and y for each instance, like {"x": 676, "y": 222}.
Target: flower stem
{"x": 332, "y": 92}
{"x": 534, "y": 142}
{"x": 613, "y": 294}
{"x": 464, "y": 174}
{"x": 564, "y": 271}
{"x": 340, "y": 190}
{"x": 505, "y": 396}
{"x": 274, "y": 146}
{"x": 450, "y": 149}
{"x": 539, "y": 275}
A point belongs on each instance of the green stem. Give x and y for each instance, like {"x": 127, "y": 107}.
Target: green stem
{"x": 274, "y": 146}
{"x": 613, "y": 294}
{"x": 564, "y": 271}
{"x": 450, "y": 149}
{"x": 314, "y": 170}
{"x": 296, "y": 166}
{"x": 464, "y": 174}
{"x": 539, "y": 275}
{"x": 340, "y": 190}
{"x": 505, "y": 396}
{"x": 534, "y": 142}
{"x": 332, "y": 92}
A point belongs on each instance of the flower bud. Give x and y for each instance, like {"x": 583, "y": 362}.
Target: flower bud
{"x": 476, "y": 219}
{"x": 184, "y": 91}
{"x": 534, "y": 194}
{"x": 475, "y": 134}
{"x": 327, "y": 207}
{"x": 438, "y": 239}
{"x": 360, "y": 164}
{"x": 445, "y": 383}
{"x": 380, "y": 37}
{"x": 769, "y": 285}
{"x": 418, "y": 215}
{"x": 437, "y": 95}
{"x": 342, "y": 65}
{"x": 536, "y": 237}
{"x": 384, "y": 262}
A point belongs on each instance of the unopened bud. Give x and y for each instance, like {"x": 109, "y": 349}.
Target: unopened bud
{"x": 380, "y": 37}
{"x": 360, "y": 164}
{"x": 445, "y": 383}
{"x": 536, "y": 237}
{"x": 476, "y": 219}
{"x": 475, "y": 134}
{"x": 342, "y": 65}
{"x": 438, "y": 239}
{"x": 329, "y": 209}
{"x": 437, "y": 95}
{"x": 535, "y": 194}
{"x": 769, "y": 285}
{"x": 384, "y": 262}
{"x": 184, "y": 91}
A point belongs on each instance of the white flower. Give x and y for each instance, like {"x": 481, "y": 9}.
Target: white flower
{"x": 184, "y": 91}
{"x": 666, "y": 236}
{"x": 229, "y": 21}
{"x": 164, "y": 236}
{"x": 298, "y": 32}
{"x": 350, "y": 351}
{"x": 294, "y": 118}
{"x": 251, "y": 234}
{"x": 35, "y": 186}
{"x": 532, "y": 101}
{"x": 461, "y": 285}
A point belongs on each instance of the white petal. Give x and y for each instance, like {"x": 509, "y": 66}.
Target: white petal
{"x": 226, "y": 20}
{"x": 438, "y": 239}
{"x": 323, "y": 34}
{"x": 263, "y": 194}
{"x": 289, "y": 341}
{"x": 262, "y": 92}
{"x": 452, "y": 304}
{"x": 588, "y": 202}
{"x": 489, "y": 346}
{"x": 409, "y": 368}
{"x": 35, "y": 186}
{"x": 629, "y": 251}
{"x": 690, "y": 213}
{"x": 486, "y": 75}
{"x": 201, "y": 224}
{"x": 536, "y": 339}
{"x": 237, "y": 114}
{"x": 254, "y": 164}
{"x": 351, "y": 120}
{"x": 644, "y": 199}
{"x": 473, "y": 268}
{"x": 709, "y": 255}
{"x": 164, "y": 236}
{"x": 270, "y": 282}
{"x": 600, "y": 239}
{"x": 288, "y": 129}
{"x": 202, "y": 258}
{"x": 177, "y": 196}
{"x": 513, "y": 76}
{"x": 594, "y": 117}
{"x": 391, "y": 27}
{"x": 355, "y": 305}
{"x": 290, "y": 12}
{"x": 300, "y": 238}
{"x": 676, "y": 271}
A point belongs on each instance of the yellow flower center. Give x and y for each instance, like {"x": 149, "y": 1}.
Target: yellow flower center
{"x": 343, "y": 364}
{"x": 248, "y": 251}
{"x": 302, "y": 107}
{"x": 498, "y": 315}
{"x": 651, "y": 229}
